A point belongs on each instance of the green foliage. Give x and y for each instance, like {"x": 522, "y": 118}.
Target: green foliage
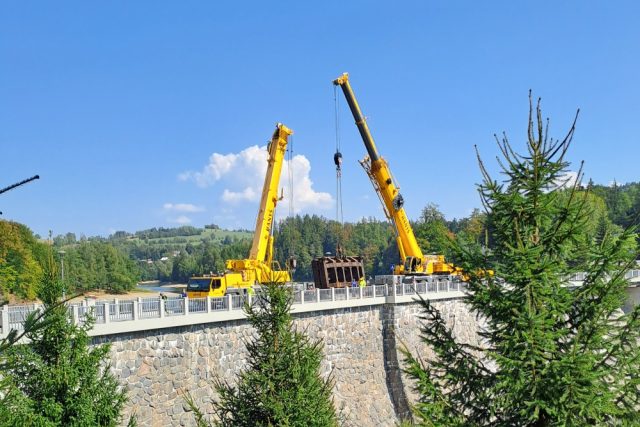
{"x": 551, "y": 354}
{"x": 622, "y": 201}
{"x": 282, "y": 384}
{"x": 58, "y": 378}
{"x": 431, "y": 231}
{"x": 98, "y": 265}
{"x": 20, "y": 260}
{"x": 472, "y": 228}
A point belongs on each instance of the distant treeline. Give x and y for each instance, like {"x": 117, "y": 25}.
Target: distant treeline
{"x": 158, "y": 233}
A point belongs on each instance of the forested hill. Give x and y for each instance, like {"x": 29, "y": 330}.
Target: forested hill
{"x": 119, "y": 261}
{"x": 622, "y": 202}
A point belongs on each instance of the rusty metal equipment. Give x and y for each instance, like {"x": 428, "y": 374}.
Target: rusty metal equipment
{"x": 336, "y": 272}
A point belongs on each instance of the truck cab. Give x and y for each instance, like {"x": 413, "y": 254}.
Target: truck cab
{"x": 205, "y": 286}
{"x": 219, "y": 285}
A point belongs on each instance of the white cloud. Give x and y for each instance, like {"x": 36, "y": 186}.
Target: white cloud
{"x": 242, "y": 175}
{"x": 182, "y": 220}
{"x": 567, "y": 180}
{"x": 182, "y": 207}
{"x": 237, "y": 196}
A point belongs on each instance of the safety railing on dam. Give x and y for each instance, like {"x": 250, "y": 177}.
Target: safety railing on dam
{"x": 122, "y": 316}
{"x": 117, "y": 316}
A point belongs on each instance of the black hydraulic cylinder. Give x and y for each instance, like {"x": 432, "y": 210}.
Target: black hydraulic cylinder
{"x": 343, "y": 82}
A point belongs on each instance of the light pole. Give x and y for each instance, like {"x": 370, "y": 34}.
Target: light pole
{"x": 61, "y": 252}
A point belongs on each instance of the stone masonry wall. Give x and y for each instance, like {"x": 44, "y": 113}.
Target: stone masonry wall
{"x": 464, "y": 324}
{"x": 158, "y": 366}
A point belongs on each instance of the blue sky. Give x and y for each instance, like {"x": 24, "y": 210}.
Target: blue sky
{"x": 119, "y": 106}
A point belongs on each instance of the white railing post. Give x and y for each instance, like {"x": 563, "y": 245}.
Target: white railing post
{"x": 229, "y": 302}
{"x": 317, "y": 295}
{"x": 107, "y": 315}
{"x": 347, "y": 293}
{"x": 134, "y": 310}
{"x": 162, "y": 301}
{"x": 333, "y": 294}
{"x": 301, "y": 297}
{"x": 75, "y": 315}
{"x": 208, "y": 300}
{"x": 5, "y": 320}
{"x": 117, "y": 303}
{"x": 249, "y": 299}
{"x": 361, "y": 288}
{"x": 186, "y": 305}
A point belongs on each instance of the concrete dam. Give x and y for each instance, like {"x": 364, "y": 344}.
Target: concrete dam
{"x": 158, "y": 359}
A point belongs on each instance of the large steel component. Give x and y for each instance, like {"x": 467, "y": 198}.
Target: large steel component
{"x": 337, "y": 272}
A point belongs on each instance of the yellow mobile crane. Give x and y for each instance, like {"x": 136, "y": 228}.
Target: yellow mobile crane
{"x": 259, "y": 267}
{"x": 413, "y": 261}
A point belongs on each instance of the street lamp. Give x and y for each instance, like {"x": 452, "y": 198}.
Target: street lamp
{"x": 61, "y": 252}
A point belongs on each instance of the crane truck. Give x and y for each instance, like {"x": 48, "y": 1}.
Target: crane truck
{"x": 242, "y": 274}
{"x": 412, "y": 260}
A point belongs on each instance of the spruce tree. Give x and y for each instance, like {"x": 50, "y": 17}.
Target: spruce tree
{"x": 282, "y": 385}
{"x": 551, "y": 354}
{"x": 57, "y": 378}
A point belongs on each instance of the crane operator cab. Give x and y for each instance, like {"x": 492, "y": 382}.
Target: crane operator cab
{"x": 412, "y": 264}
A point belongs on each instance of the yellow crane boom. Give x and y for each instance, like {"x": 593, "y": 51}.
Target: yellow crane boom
{"x": 411, "y": 256}
{"x": 261, "y": 253}
{"x": 259, "y": 267}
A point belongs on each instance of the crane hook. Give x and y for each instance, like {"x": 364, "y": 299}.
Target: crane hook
{"x": 337, "y": 159}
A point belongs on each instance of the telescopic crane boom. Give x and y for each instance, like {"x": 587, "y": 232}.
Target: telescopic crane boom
{"x": 261, "y": 253}
{"x": 242, "y": 274}
{"x": 411, "y": 256}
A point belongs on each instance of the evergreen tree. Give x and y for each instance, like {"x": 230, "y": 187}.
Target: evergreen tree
{"x": 552, "y": 355}
{"x": 282, "y": 384}
{"x": 57, "y": 378}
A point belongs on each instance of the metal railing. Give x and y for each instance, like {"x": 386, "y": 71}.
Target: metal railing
{"x": 18, "y": 315}
{"x": 120, "y": 311}
{"x": 197, "y": 305}
{"x": 174, "y": 306}
{"x": 219, "y": 304}
{"x": 325, "y": 294}
{"x": 103, "y": 312}
{"x": 237, "y": 302}
{"x": 581, "y": 276}
{"x": 309, "y": 295}
{"x": 148, "y": 308}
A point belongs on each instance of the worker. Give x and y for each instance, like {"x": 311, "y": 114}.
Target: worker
{"x": 354, "y": 284}
{"x": 362, "y": 283}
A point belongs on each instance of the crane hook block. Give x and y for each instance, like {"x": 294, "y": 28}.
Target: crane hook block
{"x": 337, "y": 159}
